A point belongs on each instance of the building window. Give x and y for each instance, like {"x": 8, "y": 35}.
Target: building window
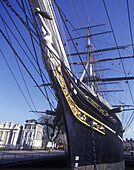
{"x": 1, "y": 135}
{"x": 24, "y": 142}
{"x": 32, "y": 126}
{"x": 25, "y": 134}
{"x": 27, "y": 126}
{"x": 5, "y": 138}
{"x": 30, "y": 134}
{"x": 9, "y": 124}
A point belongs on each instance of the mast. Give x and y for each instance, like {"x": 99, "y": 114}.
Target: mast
{"x": 88, "y": 66}
{"x": 91, "y": 57}
{"x": 89, "y": 49}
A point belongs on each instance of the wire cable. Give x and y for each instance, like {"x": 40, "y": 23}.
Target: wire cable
{"x": 61, "y": 12}
{"x": 119, "y": 56}
{"x": 17, "y": 81}
{"x": 36, "y": 55}
{"x": 130, "y": 33}
{"x": 23, "y": 64}
{"x": 27, "y": 54}
{"x": 21, "y": 71}
{"x": 25, "y": 44}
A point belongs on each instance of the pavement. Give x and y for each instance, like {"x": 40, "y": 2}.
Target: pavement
{"x": 11, "y": 158}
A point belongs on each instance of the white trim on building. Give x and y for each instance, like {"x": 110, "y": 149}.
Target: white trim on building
{"x": 9, "y": 134}
{"x": 32, "y": 135}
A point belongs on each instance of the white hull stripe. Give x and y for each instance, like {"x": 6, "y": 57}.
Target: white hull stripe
{"x": 113, "y": 132}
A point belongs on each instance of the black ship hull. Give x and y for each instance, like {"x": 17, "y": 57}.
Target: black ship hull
{"x": 89, "y": 145}
{"x": 88, "y": 148}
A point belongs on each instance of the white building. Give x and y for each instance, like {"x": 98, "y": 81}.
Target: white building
{"x": 51, "y": 145}
{"x": 10, "y": 135}
{"x": 31, "y": 137}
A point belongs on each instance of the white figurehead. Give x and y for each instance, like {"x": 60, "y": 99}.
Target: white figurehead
{"x": 47, "y": 36}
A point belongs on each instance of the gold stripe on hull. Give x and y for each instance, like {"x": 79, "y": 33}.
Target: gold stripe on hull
{"x": 81, "y": 115}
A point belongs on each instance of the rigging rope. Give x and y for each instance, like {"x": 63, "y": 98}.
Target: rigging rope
{"x": 13, "y": 10}
{"x": 85, "y": 8}
{"x": 26, "y": 46}
{"x": 65, "y": 40}
{"x": 35, "y": 49}
{"x": 77, "y": 13}
{"x": 61, "y": 12}
{"x": 74, "y": 14}
{"x": 20, "y": 70}
{"x": 25, "y": 13}
{"x": 130, "y": 33}
{"x": 119, "y": 56}
{"x": 17, "y": 82}
{"x": 82, "y": 12}
{"x": 74, "y": 29}
{"x": 129, "y": 124}
{"x": 23, "y": 64}
{"x": 18, "y": 31}
{"x": 25, "y": 24}
{"x": 28, "y": 9}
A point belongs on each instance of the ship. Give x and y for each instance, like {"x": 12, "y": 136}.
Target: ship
{"x": 92, "y": 129}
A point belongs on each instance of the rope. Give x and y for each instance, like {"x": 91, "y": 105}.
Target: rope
{"x": 17, "y": 82}
{"x": 120, "y": 56}
{"x": 70, "y": 35}
{"x": 130, "y": 33}
{"x": 20, "y": 69}
{"x": 25, "y": 13}
{"x": 36, "y": 27}
{"x": 94, "y": 151}
{"x": 13, "y": 10}
{"x": 77, "y": 13}
{"x": 82, "y": 11}
{"x": 26, "y": 52}
{"x": 22, "y": 63}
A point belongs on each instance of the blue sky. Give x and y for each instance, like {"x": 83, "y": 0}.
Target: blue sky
{"x": 13, "y": 106}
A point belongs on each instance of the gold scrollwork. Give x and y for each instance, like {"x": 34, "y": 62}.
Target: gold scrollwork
{"x": 78, "y": 113}
{"x": 98, "y": 126}
{"x": 98, "y": 107}
{"x": 82, "y": 117}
